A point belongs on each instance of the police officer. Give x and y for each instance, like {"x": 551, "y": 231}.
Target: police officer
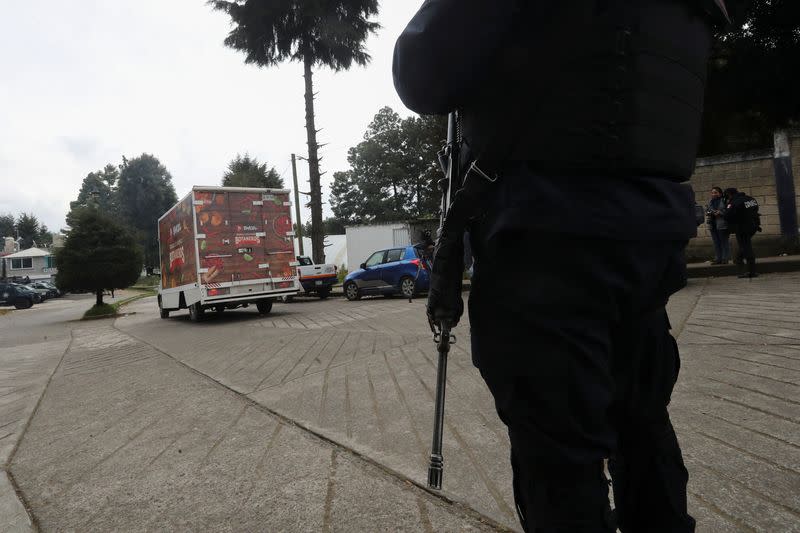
{"x": 742, "y": 214}
{"x": 581, "y": 118}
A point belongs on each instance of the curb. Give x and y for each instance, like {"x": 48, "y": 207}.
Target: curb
{"x": 768, "y": 266}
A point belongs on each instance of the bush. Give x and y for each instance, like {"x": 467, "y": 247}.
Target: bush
{"x": 342, "y": 273}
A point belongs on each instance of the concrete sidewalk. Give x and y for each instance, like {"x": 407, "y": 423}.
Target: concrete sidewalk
{"x": 318, "y": 417}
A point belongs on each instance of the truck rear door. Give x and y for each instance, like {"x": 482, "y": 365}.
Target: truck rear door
{"x": 278, "y": 238}
{"x": 250, "y": 261}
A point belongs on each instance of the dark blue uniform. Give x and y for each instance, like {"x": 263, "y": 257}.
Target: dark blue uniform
{"x": 581, "y": 243}
{"x": 743, "y": 217}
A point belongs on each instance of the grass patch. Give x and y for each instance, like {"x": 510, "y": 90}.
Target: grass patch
{"x": 100, "y": 311}
{"x": 143, "y": 293}
{"x": 111, "y": 310}
{"x": 146, "y": 282}
{"x": 4, "y": 311}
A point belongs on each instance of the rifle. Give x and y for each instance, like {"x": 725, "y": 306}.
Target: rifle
{"x": 449, "y": 159}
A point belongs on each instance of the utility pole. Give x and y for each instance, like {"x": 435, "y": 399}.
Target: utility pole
{"x": 297, "y": 207}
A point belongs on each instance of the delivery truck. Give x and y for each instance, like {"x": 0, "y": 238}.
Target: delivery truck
{"x": 226, "y": 247}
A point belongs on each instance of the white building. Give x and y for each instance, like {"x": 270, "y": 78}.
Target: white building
{"x": 33, "y": 263}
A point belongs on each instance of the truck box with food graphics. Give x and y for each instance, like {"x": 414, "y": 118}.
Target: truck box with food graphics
{"x": 226, "y": 247}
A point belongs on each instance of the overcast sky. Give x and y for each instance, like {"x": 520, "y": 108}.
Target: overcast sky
{"x": 84, "y": 82}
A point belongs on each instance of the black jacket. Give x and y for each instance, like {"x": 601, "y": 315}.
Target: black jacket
{"x": 742, "y": 214}
{"x": 579, "y": 86}
{"x": 489, "y": 58}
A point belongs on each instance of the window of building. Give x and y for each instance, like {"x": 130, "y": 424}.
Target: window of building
{"x": 49, "y": 261}
{"x": 21, "y": 263}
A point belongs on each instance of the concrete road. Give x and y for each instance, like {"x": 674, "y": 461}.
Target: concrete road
{"x": 318, "y": 417}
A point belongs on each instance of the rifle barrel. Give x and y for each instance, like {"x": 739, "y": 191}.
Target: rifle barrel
{"x": 436, "y": 467}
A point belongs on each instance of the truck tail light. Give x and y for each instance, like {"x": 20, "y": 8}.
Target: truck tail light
{"x": 218, "y": 292}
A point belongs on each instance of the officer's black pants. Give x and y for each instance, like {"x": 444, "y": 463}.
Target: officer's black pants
{"x": 744, "y": 240}
{"x": 572, "y": 338}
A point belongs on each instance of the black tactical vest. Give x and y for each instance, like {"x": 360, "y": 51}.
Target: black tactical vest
{"x": 612, "y": 87}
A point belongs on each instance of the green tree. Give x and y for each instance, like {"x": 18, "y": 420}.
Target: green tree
{"x": 393, "y": 172}
{"x": 98, "y": 254}
{"x": 31, "y": 231}
{"x": 145, "y": 192}
{"x": 7, "y": 225}
{"x": 753, "y": 77}
{"x": 97, "y": 190}
{"x": 330, "y": 34}
{"x": 248, "y": 172}
{"x": 332, "y": 225}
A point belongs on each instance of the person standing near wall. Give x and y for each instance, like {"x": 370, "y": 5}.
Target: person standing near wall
{"x": 741, "y": 213}
{"x": 718, "y": 227}
{"x": 582, "y": 121}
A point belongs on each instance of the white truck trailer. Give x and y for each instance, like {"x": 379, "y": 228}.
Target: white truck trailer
{"x": 226, "y": 247}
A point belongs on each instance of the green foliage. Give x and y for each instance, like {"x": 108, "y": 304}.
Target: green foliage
{"x": 99, "y": 253}
{"x": 393, "y": 173}
{"x": 342, "y": 273}
{"x": 98, "y": 190}
{"x": 330, "y": 33}
{"x": 7, "y": 226}
{"x": 753, "y": 77}
{"x": 31, "y": 231}
{"x": 100, "y": 310}
{"x": 144, "y": 193}
{"x": 331, "y": 225}
{"x": 248, "y": 172}
{"x": 148, "y": 281}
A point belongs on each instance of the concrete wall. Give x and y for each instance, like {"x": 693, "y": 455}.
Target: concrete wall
{"x": 750, "y": 172}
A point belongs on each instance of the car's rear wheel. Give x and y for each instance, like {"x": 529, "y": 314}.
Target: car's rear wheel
{"x": 264, "y": 306}
{"x": 23, "y": 303}
{"x": 408, "y": 287}
{"x": 351, "y": 291}
{"x": 196, "y": 312}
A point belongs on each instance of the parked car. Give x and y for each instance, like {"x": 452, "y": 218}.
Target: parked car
{"x": 43, "y": 292}
{"x": 404, "y": 271}
{"x": 56, "y": 291}
{"x": 37, "y": 296}
{"x": 11, "y": 295}
{"x": 51, "y": 291}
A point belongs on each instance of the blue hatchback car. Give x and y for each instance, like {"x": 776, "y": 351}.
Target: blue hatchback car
{"x": 402, "y": 270}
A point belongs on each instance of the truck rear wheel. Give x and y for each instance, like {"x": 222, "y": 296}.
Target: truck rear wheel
{"x": 264, "y": 306}
{"x": 324, "y": 293}
{"x": 161, "y": 311}
{"x": 196, "y": 312}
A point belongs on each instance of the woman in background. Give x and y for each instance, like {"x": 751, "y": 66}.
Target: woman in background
{"x": 718, "y": 227}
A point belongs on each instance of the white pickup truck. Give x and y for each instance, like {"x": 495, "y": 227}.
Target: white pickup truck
{"x": 316, "y": 279}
